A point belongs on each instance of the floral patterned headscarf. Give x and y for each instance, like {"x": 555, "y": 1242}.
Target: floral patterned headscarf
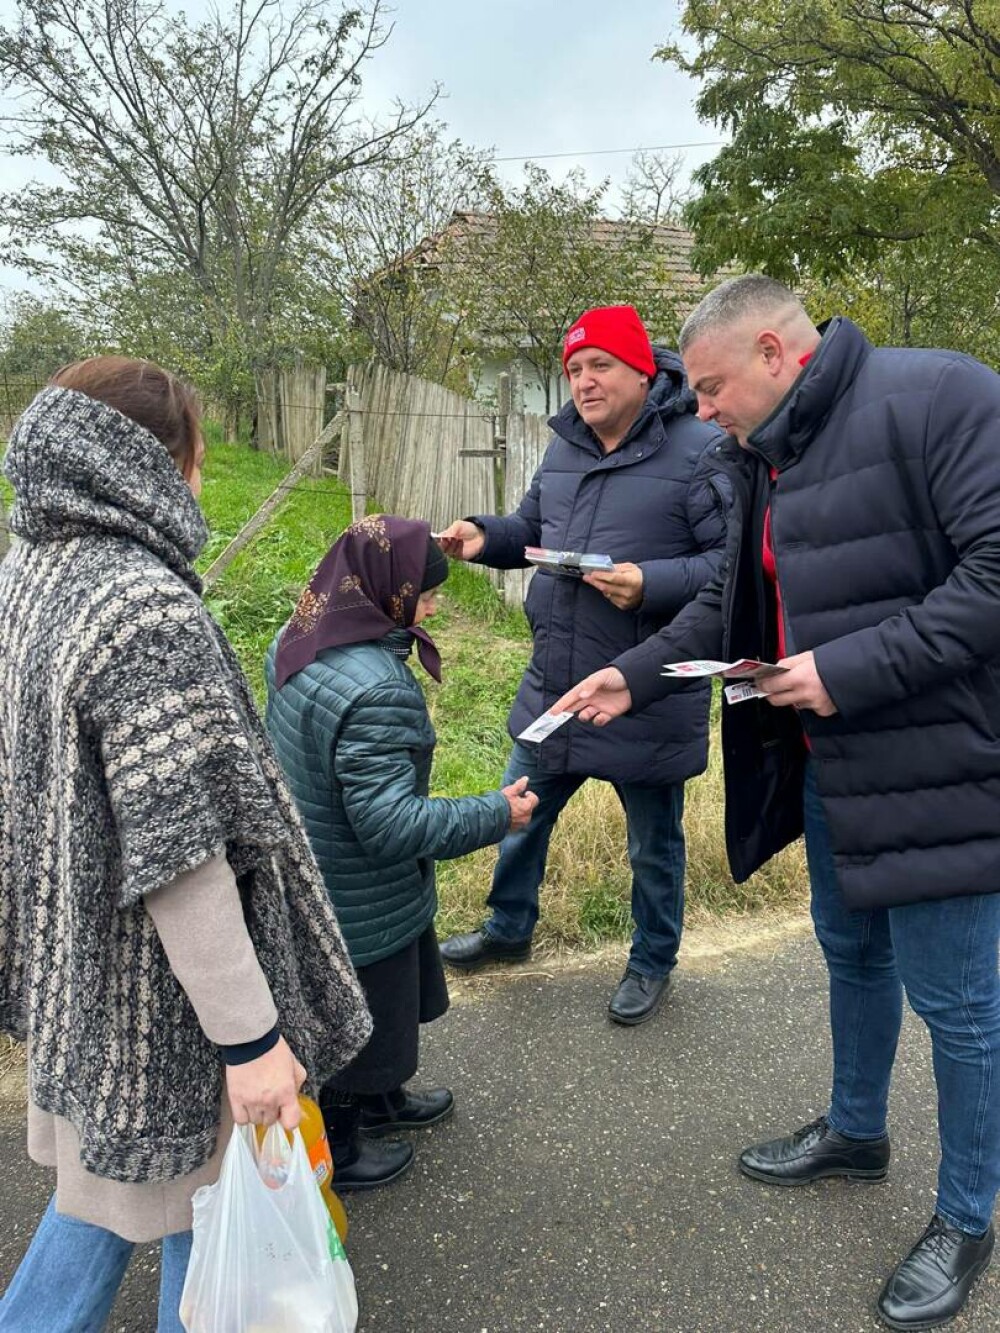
{"x": 366, "y": 586}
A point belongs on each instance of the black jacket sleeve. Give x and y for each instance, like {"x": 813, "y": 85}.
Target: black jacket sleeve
{"x": 697, "y": 631}
{"x": 957, "y": 626}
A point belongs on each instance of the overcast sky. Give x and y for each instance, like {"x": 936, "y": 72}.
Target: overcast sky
{"x": 534, "y": 77}
{"x": 527, "y": 78}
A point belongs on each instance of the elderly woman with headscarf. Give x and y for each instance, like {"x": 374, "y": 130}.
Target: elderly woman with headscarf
{"x": 351, "y": 728}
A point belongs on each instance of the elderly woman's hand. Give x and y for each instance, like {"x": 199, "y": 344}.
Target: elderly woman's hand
{"x": 522, "y": 803}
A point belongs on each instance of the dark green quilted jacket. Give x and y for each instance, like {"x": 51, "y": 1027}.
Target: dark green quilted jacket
{"x": 356, "y": 743}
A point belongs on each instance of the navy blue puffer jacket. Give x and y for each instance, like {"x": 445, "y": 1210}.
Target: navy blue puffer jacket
{"x": 355, "y": 740}
{"x": 653, "y": 502}
{"x": 885, "y": 520}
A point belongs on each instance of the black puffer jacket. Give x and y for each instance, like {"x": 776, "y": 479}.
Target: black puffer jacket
{"x": 886, "y": 529}
{"x": 653, "y": 502}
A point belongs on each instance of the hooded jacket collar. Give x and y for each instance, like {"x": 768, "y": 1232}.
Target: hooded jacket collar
{"x": 80, "y": 468}
{"x": 668, "y": 396}
{"x": 781, "y": 438}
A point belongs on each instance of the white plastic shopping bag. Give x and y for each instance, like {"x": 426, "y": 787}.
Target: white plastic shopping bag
{"x": 266, "y": 1256}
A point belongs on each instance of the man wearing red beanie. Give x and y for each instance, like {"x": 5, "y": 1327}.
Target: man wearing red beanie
{"x": 624, "y": 475}
{"x": 616, "y": 329}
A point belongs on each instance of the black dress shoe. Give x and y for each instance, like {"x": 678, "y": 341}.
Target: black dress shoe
{"x": 637, "y": 998}
{"x": 470, "y": 952}
{"x": 933, "y": 1282}
{"x": 405, "y": 1110}
{"x": 814, "y": 1152}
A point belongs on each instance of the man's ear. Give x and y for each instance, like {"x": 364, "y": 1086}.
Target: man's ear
{"x": 771, "y": 349}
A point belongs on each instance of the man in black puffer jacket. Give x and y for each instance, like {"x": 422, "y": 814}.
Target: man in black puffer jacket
{"x": 864, "y": 556}
{"x": 626, "y": 475}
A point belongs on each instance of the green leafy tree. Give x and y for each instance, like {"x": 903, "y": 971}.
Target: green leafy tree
{"x": 377, "y": 234}
{"x": 936, "y": 291}
{"x": 36, "y": 338}
{"x": 541, "y": 253}
{"x": 865, "y": 133}
{"x": 192, "y": 158}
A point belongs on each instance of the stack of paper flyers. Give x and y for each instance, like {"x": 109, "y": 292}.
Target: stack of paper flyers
{"x": 744, "y": 671}
{"x": 573, "y": 563}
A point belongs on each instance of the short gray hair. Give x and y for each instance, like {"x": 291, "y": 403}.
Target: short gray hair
{"x": 732, "y": 301}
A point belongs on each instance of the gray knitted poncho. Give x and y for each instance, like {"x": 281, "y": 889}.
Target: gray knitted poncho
{"x": 131, "y": 751}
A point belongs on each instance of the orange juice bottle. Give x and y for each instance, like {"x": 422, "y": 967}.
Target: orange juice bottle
{"x": 320, "y": 1159}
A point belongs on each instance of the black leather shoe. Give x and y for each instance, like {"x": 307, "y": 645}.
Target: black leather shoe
{"x": 637, "y": 998}
{"x": 370, "y": 1165}
{"x": 405, "y": 1110}
{"x": 468, "y": 953}
{"x": 814, "y": 1152}
{"x": 933, "y": 1282}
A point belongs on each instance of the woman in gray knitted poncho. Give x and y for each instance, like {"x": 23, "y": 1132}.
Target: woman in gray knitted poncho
{"x": 167, "y": 947}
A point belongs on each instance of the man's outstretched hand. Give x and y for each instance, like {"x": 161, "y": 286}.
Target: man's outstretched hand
{"x": 462, "y": 540}
{"x": 599, "y": 699}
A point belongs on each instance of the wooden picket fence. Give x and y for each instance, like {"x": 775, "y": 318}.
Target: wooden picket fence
{"x": 291, "y": 405}
{"x": 415, "y": 448}
{"x": 425, "y": 452}
{"x": 527, "y": 437}
{"x": 418, "y": 449}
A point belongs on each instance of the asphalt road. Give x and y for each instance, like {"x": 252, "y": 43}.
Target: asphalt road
{"x": 587, "y": 1183}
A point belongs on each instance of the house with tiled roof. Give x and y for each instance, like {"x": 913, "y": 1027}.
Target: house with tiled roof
{"x": 670, "y": 266}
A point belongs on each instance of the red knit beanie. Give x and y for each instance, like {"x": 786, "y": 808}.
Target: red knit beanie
{"x": 616, "y": 329}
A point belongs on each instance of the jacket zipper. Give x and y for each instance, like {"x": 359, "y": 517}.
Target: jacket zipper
{"x": 740, "y": 480}
{"x": 770, "y": 491}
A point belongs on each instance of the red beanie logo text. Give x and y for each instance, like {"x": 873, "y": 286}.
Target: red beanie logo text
{"x": 616, "y": 329}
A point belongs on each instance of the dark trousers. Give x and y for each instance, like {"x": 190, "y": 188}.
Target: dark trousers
{"x": 655, "y": 848}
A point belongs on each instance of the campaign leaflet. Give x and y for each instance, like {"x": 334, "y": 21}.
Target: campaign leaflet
{"x": 572, "y": 564}
{"x": 544, "y": 726}
{"x": 744, "y": 672}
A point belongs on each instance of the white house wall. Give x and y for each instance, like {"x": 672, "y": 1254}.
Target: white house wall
{"x": 532, "y": 390}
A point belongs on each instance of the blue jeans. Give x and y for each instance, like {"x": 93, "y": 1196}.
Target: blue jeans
{"x": 945, "y": 954}
{"x": 655, "y": 848}
{"x": 68, "y": 1279}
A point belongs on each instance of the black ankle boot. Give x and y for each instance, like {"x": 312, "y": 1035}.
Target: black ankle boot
{"x": 357, "y": 1163}
{"x": 401, "y": 1109}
